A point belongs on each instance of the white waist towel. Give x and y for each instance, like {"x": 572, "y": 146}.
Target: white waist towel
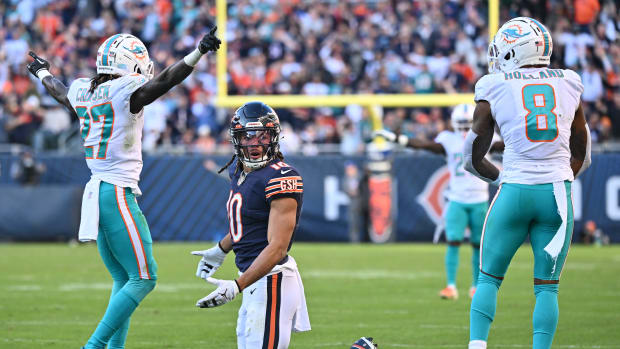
{"x": 557, "y": 242}
{"x": 89, "y": 221}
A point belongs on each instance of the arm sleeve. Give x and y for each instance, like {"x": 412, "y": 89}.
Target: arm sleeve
{"x": 441, "y": 138}
{"x": 574, "y": 82}
{"x": 483, "y": 89}
{"x": 127, "y": 85}
{"x": 284, "y": 185}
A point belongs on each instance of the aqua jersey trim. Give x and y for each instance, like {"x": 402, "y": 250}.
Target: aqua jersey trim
{"x": 104, "y": 59}
{"x": 545, "y": 36}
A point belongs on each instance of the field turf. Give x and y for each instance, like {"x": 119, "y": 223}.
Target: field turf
{"x": 53, "y": 295}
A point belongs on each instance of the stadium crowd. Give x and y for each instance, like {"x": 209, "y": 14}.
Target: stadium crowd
{"x": 295, "y": 47}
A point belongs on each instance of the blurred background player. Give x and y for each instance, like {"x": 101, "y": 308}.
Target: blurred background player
{"x": 110, "y": 109}
{"x": 263, "y": 210}
{"x": 467, "y": 195}
{"x": 539, "y": 115}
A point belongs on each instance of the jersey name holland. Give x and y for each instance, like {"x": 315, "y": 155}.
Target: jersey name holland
{"x": 249, "y": 203}
{"x": 112, "y": 135}
{"x": 463, "y": 186}
{"x": 534, "y": 109}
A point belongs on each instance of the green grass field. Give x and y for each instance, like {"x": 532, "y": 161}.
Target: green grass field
{"x": 53, "y": 295}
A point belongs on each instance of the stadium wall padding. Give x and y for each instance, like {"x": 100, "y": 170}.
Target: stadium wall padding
{"x": 184, "y": 201}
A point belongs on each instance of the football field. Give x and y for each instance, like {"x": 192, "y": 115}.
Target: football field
{"x": 53, "y": 295}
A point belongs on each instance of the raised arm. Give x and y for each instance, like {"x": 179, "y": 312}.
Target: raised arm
{"x": 580, "y": 143}
{"x": 40, "y": 68}
{"x": 410, "y": 142}
{"x": 172, "y": 75}
{"x": 477, "y": 145}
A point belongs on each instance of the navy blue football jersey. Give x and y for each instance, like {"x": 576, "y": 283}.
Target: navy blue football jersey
{"x": 249, "y": 203}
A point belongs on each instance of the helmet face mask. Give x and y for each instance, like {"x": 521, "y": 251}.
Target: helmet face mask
{"x": 519, "y": 42}
{"x": 123, "y": 54}
{"x": 255, "y": 133}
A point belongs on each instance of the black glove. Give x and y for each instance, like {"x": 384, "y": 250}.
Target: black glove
{"x": 38, "y": 64}
{"x": 209, "y": 42}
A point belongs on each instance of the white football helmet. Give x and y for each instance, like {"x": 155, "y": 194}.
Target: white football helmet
{"x": 520, "y": 41}
{"x": 462, "y": 117}
{"x": 124, "y": 54}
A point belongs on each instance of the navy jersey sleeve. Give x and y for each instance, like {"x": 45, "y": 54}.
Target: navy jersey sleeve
{"x": 285, "y": 182}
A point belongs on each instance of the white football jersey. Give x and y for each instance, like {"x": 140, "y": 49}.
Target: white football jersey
{"x": 534, "y": 109}
{"x": 463, "y": 186}
{"x": 112, "y": 135}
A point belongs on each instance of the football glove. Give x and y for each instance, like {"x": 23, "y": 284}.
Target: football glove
{"x": 364, "y": 343}
{"x": 391, "y": 137}
{"x": 209, "y": 42}
{"x": 38, "y": 65}
{"x": 211, "y": 260}
{"x": 225, "y": 292}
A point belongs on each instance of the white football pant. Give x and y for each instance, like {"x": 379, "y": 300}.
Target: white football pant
{"x": 271, "y": 308}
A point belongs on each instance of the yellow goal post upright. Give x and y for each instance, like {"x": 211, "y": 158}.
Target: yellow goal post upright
{"x": 374, "y": 102}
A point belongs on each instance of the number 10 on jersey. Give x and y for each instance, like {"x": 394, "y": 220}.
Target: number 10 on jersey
{"x": 541, "y": 123}
{"x": 233, "y": 206}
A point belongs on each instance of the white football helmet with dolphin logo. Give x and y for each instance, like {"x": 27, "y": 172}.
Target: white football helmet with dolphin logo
{"x": 520, "y": 41}
{"x": 124, "y": 54}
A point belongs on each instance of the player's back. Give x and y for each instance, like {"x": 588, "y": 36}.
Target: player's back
{"x": 534, "y": 109}
{"x": 111, "y": 133}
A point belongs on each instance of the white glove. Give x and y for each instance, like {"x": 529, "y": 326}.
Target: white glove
{"x": 225, "y": 292}
{"x": 211, "y": 260}
{"x": 391, "y": 137}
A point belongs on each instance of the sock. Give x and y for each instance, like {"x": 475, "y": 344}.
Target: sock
{"x": 483, "y": 307}
{"x": 477, "y": 345}
{"x": 120, "y": 308}
{"x": 117, "y": 341}
{"x": 546, "y": 314}
{"x": 475, "y": 265}
{"x": 452, "y": 264}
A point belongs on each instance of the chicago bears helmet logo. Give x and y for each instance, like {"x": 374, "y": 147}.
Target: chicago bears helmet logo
{"x": 431, "y": 198}
{"x": 512, "y": 33}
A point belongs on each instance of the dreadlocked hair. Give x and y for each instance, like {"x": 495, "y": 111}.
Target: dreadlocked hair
{"x": 100, "y": 79}
{"x": 278, "y": 156}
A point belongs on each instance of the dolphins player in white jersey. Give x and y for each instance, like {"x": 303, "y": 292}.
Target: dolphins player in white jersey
{"x": 110, "y": 110}
{"x": 547, "y": 144}
{"x": 467, "y": 195}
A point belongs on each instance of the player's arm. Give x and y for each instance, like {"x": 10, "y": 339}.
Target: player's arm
{"x": 580, "y": 143}
{"x": 478, "y": 142}
{"x": 410, "y": 142}
{"x": 172, "y": 75}
{"x": 39, "y": 67}
{"x": 282, "y": 219}
{"x": 497, "y": 147}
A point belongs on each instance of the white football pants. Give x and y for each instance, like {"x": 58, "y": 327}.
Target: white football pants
{"x": 271, "y": 308}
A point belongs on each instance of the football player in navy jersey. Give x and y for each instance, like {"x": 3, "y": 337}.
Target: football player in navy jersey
{"x": 263, "y": 211}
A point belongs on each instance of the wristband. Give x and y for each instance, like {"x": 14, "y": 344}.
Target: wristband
{"x": 238, "y": 288}
{"x": 43, "y": 73}
{"x": 219, "y": 244}
{"x": 192, "y": 58}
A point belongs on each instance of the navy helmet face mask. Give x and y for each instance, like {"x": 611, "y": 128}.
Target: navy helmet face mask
{"x": 255, "y": 133}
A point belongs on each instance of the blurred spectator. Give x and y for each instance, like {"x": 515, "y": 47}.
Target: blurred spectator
{"x": 592, "y": 235}
{"x": 355, "y": 185}
{"x": 27, "y": 170}
{"x": 296, "y": 47}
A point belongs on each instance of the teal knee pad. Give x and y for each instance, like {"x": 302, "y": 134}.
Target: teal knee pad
{"x": 138, "y": 289}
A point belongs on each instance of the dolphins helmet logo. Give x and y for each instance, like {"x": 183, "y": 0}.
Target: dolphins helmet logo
{"x": 137, "y": 49}
{"x": 512, "y": 33}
